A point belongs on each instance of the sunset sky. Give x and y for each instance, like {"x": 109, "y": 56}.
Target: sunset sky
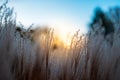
{"x": 61, "y": 13}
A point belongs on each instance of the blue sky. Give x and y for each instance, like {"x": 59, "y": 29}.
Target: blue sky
{"x": 62, "y": 13}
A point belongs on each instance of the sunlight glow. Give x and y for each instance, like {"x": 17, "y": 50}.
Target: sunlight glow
{"x": 64, "y": 31}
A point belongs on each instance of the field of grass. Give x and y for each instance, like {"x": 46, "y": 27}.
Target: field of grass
{"x": 24, "y": 56}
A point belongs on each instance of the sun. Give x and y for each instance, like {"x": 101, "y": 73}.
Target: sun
{"x": 64, "y": 31}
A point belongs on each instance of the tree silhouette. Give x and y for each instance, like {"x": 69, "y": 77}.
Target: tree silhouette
{"x": 106, "y": 23}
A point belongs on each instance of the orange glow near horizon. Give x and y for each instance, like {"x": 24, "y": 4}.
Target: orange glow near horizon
{"x": 64, "y": 31}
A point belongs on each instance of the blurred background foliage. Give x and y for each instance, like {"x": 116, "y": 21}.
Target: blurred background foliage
{"x": 107, "y": 20}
